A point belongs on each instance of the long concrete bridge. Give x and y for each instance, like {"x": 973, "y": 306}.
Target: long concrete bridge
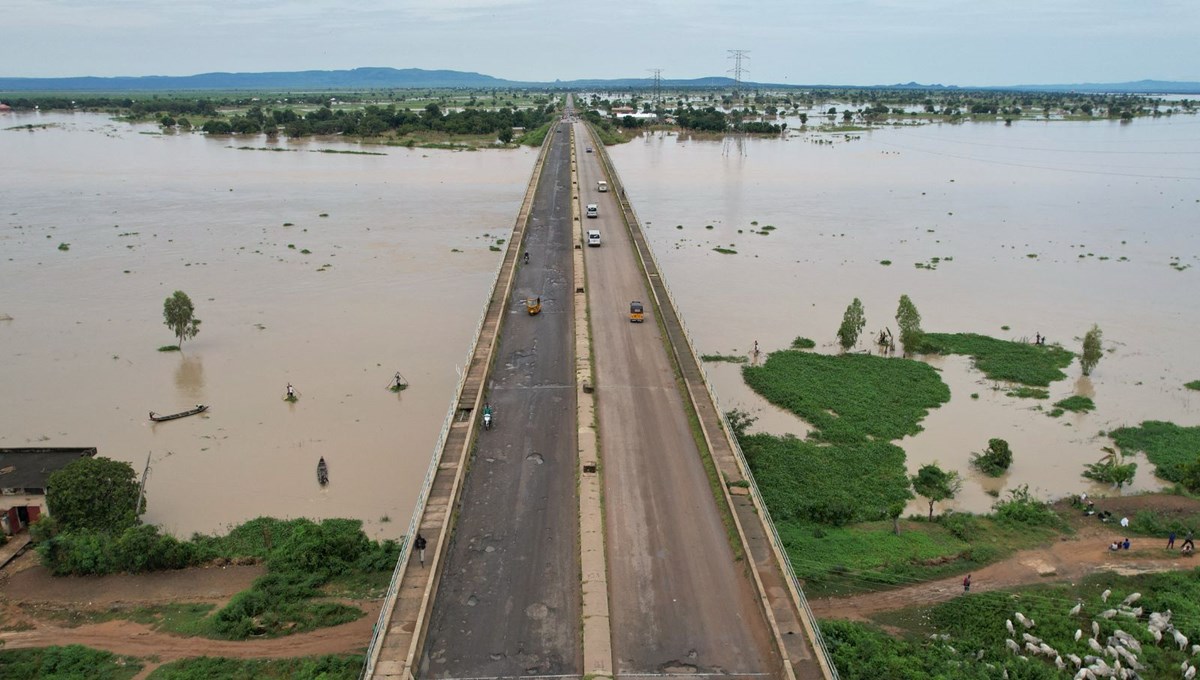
{"x": 607, "y": 524}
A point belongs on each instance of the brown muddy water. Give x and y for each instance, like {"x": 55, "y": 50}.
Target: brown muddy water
{"x": 1051, "y": 227}
{"x": 147, "y": 214}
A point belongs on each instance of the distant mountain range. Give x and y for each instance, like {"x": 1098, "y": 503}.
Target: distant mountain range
{"x": 390, "y": 78}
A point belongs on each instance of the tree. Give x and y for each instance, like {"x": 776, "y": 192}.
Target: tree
{"x": 179, "y": 316}
{"x": 909, "y": 320}
{"x": 506, "y": 135}
{"x": 853, "y": 322}
{"x": 935, "y": 484}
{"x": 96, "y": 494}
{"x": 995, "y": 460}
{"x": 1092, "y": 351}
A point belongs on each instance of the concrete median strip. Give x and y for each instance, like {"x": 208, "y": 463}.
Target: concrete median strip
{"x": 597, "y": 634}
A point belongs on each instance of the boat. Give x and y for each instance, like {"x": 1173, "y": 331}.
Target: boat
{"x": 322, "y": 472}
{"x": 200, "y": 408}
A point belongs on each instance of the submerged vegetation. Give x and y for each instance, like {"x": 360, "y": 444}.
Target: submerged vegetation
{"x": 1019, "y": 362}
{"x": 1170, "y": 447}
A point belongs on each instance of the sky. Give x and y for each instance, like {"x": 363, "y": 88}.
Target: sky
{"x": 844, "y": 42}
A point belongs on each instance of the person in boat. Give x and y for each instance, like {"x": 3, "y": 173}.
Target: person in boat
{"x": 291, "y": 391}
{"x": 152, "y": 414}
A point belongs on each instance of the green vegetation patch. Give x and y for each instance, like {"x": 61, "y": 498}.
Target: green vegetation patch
{"x": 328, "y": 667}
{"x": 536, "y": 136}
{"x": 1170, "y": 447}
{"x": 1024, "y": 392}
{"x": 1028, "y": 364}
{"x": 728, "y": 358}
{"x": 66, "y": 663}
{"x": 1076, "y": 404}
{"x": 850, "y": 397}
{"x": 1193, "y": 385}
{"x": 725, "y": 251}
{"x": 802, "y": 342}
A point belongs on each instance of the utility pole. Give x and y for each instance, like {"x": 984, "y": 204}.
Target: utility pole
{"x": 656, "y": 73}
{"x": 738, "y": 56}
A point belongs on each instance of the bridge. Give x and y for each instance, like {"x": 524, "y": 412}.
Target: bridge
{"x": 607, "y": 525}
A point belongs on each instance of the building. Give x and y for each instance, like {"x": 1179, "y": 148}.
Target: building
{"x": 23, "y": 477}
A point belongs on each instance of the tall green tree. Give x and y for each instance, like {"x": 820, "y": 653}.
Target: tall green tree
{"x": 1092, "y": 352}
{"x": 909, "y": 320}
{"x": 97, "y": 494}
{"x": 853, "y": 321}
{"x": 935, "y": 484}
{"x": 180, "y": 316}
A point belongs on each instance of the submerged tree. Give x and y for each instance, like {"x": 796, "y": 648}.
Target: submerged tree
{"x": 995, "y": 460}
{"x": 909, "y": 320}
{"x": 1092, "y": 351}
{"x": 853, "y": 322}
{"x": 935, "y": 484}
{"x": 179, "y": 316}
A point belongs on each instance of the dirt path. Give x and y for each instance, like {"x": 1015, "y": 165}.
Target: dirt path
{"x": 1067, "y": 560}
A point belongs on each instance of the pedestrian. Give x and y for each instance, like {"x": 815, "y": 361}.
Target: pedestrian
{"x": 1187, "y": 540}
{"x": 291, "y": 391}
{"x": 419, "y": 544}
{"x": 967, "y": 584}
{"x": 1125, "y": 544}
{"x": 1171, "y": 540}
{"x": 1124, "y": 522}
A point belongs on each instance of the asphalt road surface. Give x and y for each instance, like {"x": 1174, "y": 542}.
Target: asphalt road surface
{"x": 680, "y": 603}
{"x": 509, "y": 599}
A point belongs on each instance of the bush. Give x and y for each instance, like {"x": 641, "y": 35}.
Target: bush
{"x": 961, "y": 525}
{"x": 1022, "y": 508}
{"x": 69, "y": 662}
{"x": 802, "y": 342}
{"x": 995, "y": 460}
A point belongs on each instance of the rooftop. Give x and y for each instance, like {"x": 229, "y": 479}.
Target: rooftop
{"x": 29, "y": 468}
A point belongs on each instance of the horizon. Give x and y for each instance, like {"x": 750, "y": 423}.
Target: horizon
{"x": 860, "y": 44}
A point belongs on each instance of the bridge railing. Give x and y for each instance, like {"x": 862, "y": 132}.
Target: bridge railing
{"x": 819, "y": 641}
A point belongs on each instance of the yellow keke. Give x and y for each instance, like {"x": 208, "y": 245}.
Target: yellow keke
{"x": 533, "y": 305}
{"x": 635, "y": 312}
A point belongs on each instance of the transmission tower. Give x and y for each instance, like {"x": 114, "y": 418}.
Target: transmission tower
{"x": 656, "y": 74}
{"x": 738, "y": 56}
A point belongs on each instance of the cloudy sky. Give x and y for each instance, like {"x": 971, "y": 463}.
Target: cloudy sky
{"x": 856, "y": 42}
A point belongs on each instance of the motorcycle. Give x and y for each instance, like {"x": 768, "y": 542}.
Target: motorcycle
{"x": 487, "y": 420}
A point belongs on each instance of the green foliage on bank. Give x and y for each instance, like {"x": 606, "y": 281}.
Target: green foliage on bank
{"x": 536, "y": 136}
{"x": 1170, "y": 447}
{"x": 302, "y": 557}
{"x": 1076, "y": 404}
{"x": 328, "y": 667}
{"x": 70, "y": 662}
{"x": 852, "y": 397}
{"x": 965, "y": 637}
{"x": 1019, "y": 362}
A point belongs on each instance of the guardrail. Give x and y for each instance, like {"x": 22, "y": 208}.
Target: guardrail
{"x": 819, "y": 640}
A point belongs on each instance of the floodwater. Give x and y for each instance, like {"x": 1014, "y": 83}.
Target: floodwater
{"x": 145, "y": 214}
{"x": 1043, "y": 227}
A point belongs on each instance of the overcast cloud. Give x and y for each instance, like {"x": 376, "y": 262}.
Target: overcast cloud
{"x": 858, "y": 42}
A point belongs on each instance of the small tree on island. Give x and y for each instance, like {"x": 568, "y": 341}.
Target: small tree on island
{"x": 179, "y": 316}
{"x": 853, "y": 321}
{"x": 935, "y": 484}
{"x": 995, "y": 460}
{"x": 96, "y": 494}
{"x": 909, "y": 320}
{"x": 1092, "y": 352}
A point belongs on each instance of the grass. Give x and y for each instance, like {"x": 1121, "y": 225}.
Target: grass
{"x": 1168, "y": 446}
{"x": 64, "y": 246}
{"x": 169, "y": 348}
{"x": 850, "y": 397}
{"x": 1193, "y": 385}
{"x": 1076, "y": 404}
{"x": 885, "y": 262}
{"x": 66, "y": 663}
{"x": 975, "y": 625}
{"x": 802, "y": 342}
{"x": 729, "y": 358}
{"x": 1024, "y": 392}
{"x": 177, "y": 619}
{"x": 536, "y": 136}
{"x": 1028, "y": 364}
{"x": 329, "y": 667}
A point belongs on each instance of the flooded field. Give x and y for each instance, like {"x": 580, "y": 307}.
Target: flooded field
{"x": 1035, "y": 228}
{"x": 385, "y": 267}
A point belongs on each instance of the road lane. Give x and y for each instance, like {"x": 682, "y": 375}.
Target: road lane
{"x": 509, "y": 599}
{"x": 680, "y": 603}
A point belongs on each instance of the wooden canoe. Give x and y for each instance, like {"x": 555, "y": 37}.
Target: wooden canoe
{"x": 200, "y": 408}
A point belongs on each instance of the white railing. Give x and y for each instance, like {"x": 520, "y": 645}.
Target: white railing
{"x": 819, "y": 640}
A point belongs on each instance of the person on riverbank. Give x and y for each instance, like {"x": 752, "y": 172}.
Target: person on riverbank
{"x": 1171, "y": 540}
{"x": 1125, "y": 544}
{"x": 967, "y": 584}
{"x": 1188, "y": 542}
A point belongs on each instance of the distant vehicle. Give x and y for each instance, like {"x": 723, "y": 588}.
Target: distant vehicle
{"x": 601, "y": 186}
{"x": 593, "y": 237}
{"x": 589, "y": 149}
{"x": 593, "y": 210}
{"x": 635, "y": 312}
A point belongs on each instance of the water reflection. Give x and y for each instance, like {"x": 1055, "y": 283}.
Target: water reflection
{"x": 189, "y": 378}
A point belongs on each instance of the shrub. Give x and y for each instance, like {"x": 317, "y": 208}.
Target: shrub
{"x": 1022, "y": 508}
{"x": 995, "y": 460}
